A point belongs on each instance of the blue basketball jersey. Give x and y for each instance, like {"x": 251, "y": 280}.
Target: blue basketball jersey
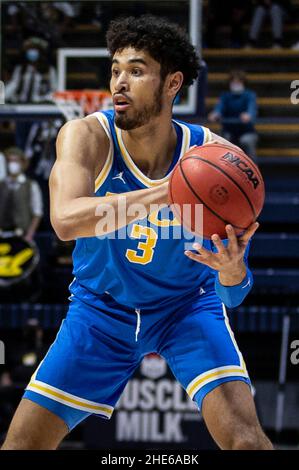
{"x": 142, "y": 265}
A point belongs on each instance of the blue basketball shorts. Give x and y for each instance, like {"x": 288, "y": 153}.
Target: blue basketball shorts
{"x": 97, "y": 350}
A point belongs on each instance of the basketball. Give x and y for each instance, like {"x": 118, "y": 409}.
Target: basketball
{"x": 225, "y": 181}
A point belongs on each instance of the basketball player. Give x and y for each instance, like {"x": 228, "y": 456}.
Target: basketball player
{"x": 141, "y": 293}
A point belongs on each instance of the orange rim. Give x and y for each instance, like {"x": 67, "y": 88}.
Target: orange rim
{"x": 77, "y": 95}
{"x": 89, "y": 100}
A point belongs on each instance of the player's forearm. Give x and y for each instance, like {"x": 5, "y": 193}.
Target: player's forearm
{"x": 97, "y": 216}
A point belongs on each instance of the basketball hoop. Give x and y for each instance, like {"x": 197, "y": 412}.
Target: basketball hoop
{"x": 78, "y": 103}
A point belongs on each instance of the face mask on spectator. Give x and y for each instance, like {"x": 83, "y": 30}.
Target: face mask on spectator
{"x": 236, "y": 87}
{"x": 32, "y": 55}
{"x": 14, "y": 168}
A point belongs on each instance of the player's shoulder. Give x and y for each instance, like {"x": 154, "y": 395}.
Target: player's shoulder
{"x": 87, "y": 131}
{"x": 86, "y": 126}
{"x": 83, "y": 140}
{"x": 199, "y": 133}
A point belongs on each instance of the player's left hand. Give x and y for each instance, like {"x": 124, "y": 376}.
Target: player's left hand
{"x": 228, "y": 258}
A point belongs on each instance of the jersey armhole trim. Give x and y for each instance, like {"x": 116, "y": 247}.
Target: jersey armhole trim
{"x": 186, "y": 139}
{"x": 207, "y": 135}
{"x": 102, "y": 176}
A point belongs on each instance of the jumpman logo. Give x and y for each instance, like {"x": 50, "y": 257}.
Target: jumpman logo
{"x": 119, "y": 176}
{"x": 248, "y": 284}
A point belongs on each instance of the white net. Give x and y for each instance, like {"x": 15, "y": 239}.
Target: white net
{"x": 70, "y": 108}
{"x": 79, "y": 103}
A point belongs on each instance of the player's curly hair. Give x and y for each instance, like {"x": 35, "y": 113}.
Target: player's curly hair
{"x": 166, "y": 42}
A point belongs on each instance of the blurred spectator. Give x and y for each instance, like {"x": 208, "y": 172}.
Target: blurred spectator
{"x": 29, "y": 353}
{"x": 33, "y": 79}
{"x": 61, "y": 15}
{"x": 21, "y": 200}
{"x": 239, "y": 12}
{"x": 5, "y": 379}
{"x": 7, "y": 406}
{"x": 48, "y": 19}
{"x": 12, "y": 12}
{"x": 13, "y": 8}
{"x": 40, "y": 147}
{"x": 237, "y": 111}
{"x": 26, "y": 352}
{"x": 2, "y": 166}
{"x": 68, "y": 9}
{"x": 233, "y": 13}
{"x": 40, "y": 151}
{"x": 98, "y": 15}
{"x": 276, "y": 9}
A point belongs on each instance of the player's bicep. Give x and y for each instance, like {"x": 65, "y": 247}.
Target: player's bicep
{"x": 79, "y": 156}
{"x": 68, "y": 181}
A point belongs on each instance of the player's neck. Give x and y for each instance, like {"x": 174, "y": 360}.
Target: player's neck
{"x": 152, "y": 146}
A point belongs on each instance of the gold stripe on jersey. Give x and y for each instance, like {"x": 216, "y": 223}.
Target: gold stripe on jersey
{"x": 69, "y": 399}
{"x": 108, "y": 163}
{"x": 207, "y": 135}
{"x": 220, "y": 372}
{"x": 227, "y": 324}
{"x": 214, "y": 374}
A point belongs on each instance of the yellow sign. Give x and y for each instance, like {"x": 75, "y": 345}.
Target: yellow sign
{"x": 11, "y": 265}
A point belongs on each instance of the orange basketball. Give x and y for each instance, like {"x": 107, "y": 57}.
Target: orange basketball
{"x": 224, "y": 181}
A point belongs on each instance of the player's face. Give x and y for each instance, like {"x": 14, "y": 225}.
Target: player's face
{"x": 136, "y": 87}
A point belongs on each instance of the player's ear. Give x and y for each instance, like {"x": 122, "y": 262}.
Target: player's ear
{"x": 174, "y": 83}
